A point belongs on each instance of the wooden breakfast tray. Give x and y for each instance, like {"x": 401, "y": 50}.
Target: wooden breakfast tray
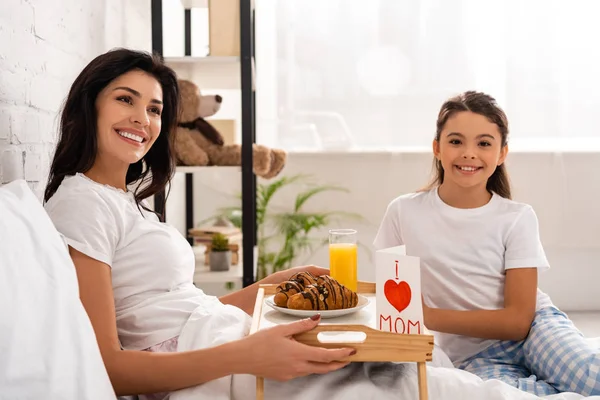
{"x": 377, "y": 346}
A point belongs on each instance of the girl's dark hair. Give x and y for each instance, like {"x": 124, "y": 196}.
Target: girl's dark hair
{"x": 78, "y": 143}
{"x": 483, "y": 104}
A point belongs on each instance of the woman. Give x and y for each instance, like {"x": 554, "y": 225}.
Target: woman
{"x": 135, "y": 273}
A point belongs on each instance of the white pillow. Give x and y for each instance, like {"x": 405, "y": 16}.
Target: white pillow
{"x": 48, "y": 349}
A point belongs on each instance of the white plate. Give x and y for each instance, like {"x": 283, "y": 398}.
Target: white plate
{"x": 362, "y": 302}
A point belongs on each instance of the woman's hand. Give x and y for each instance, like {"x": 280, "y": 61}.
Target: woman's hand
{"x": 274, "y": 354}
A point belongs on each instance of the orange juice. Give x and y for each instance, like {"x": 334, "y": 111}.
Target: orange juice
{"x": 343, "y": 264}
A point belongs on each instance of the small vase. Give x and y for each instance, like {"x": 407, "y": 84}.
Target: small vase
{"x": 220, "y": 260}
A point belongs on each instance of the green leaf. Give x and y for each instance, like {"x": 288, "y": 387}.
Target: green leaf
{"x": 266, "y": 192}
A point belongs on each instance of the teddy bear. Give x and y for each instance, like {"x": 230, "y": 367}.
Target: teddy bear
{"x": 198, "y": 143}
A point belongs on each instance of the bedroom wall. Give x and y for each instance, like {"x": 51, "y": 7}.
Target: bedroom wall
{"x": 43, "y": 46}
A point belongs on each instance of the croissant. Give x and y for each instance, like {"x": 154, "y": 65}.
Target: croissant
{"x": 326, "y": 294}
{"x": 296, "y": 284}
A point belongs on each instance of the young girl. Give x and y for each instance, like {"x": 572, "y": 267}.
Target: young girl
{"x": 480, "y": 255}
{"x": 135, "y": 273}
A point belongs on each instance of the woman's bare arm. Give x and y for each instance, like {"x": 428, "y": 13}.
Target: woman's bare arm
{"x": 138, "y": 372}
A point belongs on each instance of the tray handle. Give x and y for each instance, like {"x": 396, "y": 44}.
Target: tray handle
{"x": 376, "y": 346}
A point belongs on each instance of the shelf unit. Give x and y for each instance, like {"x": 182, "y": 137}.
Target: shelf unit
{"x": 221, "y": 72}
{"x": 203, "y": 274}
{"x": 245, "y": 63}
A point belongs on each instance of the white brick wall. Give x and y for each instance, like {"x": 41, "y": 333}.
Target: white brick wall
{"x": 44, "y": 44}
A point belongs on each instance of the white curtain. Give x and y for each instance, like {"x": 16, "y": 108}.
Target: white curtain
{"x": 373, "y": 74}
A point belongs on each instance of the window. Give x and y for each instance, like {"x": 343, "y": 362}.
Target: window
{"x": 341, "y": 74}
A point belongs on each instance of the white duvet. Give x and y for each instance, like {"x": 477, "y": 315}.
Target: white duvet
{"x": 362, "y": 381}
{"x": 48, "y": 349}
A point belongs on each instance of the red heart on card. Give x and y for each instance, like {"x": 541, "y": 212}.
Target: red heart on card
{"x": 398, "y": 294}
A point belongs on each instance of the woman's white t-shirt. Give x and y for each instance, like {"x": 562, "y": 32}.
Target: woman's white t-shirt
{"x": 152, "y": 265}
{"x": 464, "y": 254}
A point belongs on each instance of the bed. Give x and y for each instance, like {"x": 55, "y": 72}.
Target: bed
{"x": 48, "y": 348}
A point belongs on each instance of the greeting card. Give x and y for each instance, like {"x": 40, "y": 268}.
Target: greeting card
{"x": 398, "y": 291}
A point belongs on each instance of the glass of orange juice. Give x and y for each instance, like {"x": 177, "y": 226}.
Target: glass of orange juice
{"x": 343, "y": 257}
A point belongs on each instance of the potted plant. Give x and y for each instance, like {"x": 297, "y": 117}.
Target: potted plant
{"x": 220, "y": 255}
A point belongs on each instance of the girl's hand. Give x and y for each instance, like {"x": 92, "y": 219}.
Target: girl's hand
{"x": 274, "y": 354}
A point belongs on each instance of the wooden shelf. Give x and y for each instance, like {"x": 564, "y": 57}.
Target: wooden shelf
{"x": 203, "y": 274}
{"x": 211, "y": 71}
{"x": 187, "y": 60}
{"x": 208, "y": 72}
{"x": 191, "y": 170}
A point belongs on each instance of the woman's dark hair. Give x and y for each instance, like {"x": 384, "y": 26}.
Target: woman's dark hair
{"x": 78, "y": 143}
{"x": 483, "y": 104}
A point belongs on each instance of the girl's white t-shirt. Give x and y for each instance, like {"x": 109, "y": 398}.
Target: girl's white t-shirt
{"x": 152, "y": 265}
{"x": 464, "y": 254}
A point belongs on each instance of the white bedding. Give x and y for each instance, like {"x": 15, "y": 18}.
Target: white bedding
{"x": 48, "y": 349}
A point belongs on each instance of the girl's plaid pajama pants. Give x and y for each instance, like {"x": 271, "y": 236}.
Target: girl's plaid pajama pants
{"x": 554, "y": 358}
